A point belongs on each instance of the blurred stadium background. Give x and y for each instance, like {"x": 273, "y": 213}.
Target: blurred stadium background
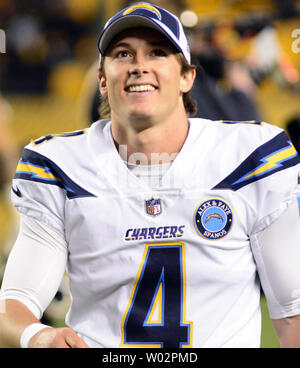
{"x": 48, "y": 77}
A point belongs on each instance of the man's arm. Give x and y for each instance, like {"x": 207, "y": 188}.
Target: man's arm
{"x": 277, "y": 252}
{"x": 32, "y": 276}
{"x": 288, "y": 331}
{"x": 15, "y": 317}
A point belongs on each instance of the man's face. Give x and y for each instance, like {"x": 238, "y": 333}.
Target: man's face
{"x": 143, "y": 78}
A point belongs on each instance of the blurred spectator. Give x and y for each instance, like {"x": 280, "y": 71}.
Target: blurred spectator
{"x": 287, "y": 8}
{"x": 293, "y": 129}
{"x": 8, "y": 161}
{"x": 8, "y": 149}
{"x": 223, "y": 89}
{"x": 89, "y": 99}
{"x": 41, "y": 35}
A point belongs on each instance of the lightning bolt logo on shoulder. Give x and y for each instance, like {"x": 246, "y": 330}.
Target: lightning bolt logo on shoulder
{"x": 273, "y": 156}
{"x": 36, "y": 171}
{"x": 38, "y": 168}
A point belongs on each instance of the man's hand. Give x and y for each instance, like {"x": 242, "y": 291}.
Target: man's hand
{"x": 56, "y": 338}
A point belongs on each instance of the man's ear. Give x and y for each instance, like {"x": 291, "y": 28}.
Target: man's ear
{"x": 187, "y": 80}
{"x": 102, "y": 85}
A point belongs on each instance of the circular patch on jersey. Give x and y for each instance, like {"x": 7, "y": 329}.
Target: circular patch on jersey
{"x": 213, "y": 219}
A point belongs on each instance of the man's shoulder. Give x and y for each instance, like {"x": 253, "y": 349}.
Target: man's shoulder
{"x": 61, "y": 160}
{"x": 65, "y": 145}
{"x": 241, "y": 125}
{"x": 252, "y": 151}
{"x": 236, "y": 134}
{"x": 241, "y": 153}
{"x": 52, "y": 142}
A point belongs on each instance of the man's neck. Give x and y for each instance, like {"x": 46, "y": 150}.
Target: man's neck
{"x": 155, "y": 144}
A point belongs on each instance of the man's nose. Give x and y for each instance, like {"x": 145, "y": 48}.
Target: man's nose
{"x": 139, "y": 65}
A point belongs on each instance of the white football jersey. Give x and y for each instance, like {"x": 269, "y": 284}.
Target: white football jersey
{"x": 171, "y": 266}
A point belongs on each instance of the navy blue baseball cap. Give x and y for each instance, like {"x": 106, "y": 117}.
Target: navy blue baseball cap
{"x": 150, "y": 16}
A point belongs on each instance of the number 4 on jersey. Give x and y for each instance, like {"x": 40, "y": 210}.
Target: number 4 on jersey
{"x": 155, "y": 315}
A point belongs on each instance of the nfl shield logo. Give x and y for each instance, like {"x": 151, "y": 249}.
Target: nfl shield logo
{"x": 153, "y": 207}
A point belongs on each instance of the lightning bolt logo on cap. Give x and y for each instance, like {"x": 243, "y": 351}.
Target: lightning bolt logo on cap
{"x": 143, "y": 6}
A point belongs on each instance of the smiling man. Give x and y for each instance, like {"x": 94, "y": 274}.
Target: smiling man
{"x": 138, "y": 73}
{"x": 163, "y": 222}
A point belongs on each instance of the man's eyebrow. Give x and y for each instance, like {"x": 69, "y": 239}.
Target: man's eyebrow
{"x": 119, "y": 44}
{"x": 160, "y": 44}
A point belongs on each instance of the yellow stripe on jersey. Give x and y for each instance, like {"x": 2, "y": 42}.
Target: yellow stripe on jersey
{"x": 36, "y": 171}
{"x": 156, "y": 309}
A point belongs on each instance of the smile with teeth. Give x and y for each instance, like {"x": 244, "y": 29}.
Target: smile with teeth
{"x": 141, "y": 88}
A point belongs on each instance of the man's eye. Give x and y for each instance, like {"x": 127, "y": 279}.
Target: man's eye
{"x": 122, "y": 54}
{"x": 159, "y": 52}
